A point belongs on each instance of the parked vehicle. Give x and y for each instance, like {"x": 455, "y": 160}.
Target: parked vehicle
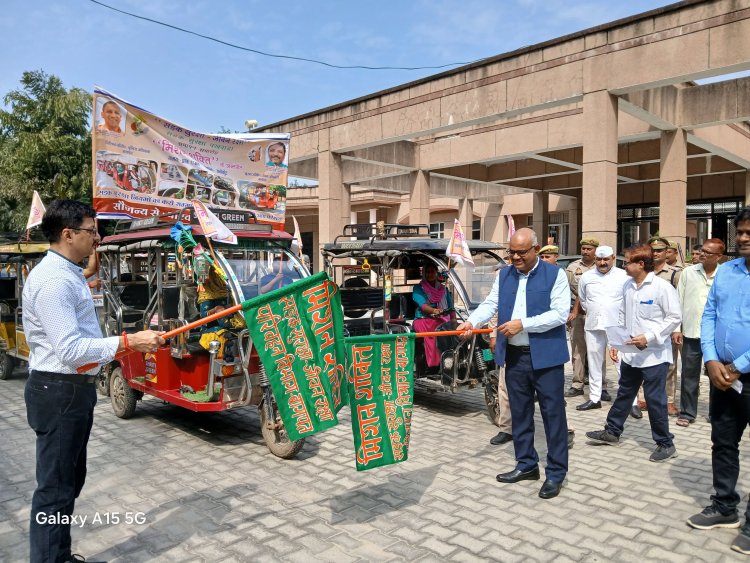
{"x": 377, "y": 268}
{"x": 148, "y": 282}
{"x": 16, "y": 260}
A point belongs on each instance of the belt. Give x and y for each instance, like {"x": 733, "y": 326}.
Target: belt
{"x": 75, "y": 378}
{"x": 520, "y": 349}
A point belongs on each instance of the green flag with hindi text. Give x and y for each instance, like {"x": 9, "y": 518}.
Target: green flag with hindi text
{"x": 381, "y": 394}
{"x": 297, "y": 331}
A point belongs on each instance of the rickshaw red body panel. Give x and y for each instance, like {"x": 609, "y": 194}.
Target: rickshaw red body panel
{"x": 164, "y": 375}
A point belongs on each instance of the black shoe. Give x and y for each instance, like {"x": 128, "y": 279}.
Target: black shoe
{"x": 635, "y": 412}
{"x": 589, "y": 405}
{"x": 75, "y": 558}
{"x": 573, "y": 392}
{"x": 550, "y": 489}
{"x": 710, "y": 518}
{"x": 571, "y": 438}
{"x": 606, "y": 397}
{"x": 517, "y": 475}
{"x": 501, "y": 438}
{"x": 603, "y": 437}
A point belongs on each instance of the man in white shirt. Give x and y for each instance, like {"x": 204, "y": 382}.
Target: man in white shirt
{"x": 600, "y": 294}
{"x": 650, "y": 313}
{"x": 692, "y": 290}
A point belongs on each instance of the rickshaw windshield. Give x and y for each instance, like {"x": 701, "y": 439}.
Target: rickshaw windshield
{"x": 478, "y": 281}
{"x": 261, "y": 271}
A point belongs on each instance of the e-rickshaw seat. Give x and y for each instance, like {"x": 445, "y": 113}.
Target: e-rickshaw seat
{"x": 7, "y": 288}
{"x": 171, "y": 302}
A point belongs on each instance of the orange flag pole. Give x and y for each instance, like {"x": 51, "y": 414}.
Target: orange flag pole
{"x": 172, "y": 333}
{"x": 236, "y": 308}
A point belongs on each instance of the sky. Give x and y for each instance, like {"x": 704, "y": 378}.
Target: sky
{"x": 206, "y": 86}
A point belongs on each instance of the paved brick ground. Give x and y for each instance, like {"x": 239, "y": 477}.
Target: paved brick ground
{"x": 210, "y": 491}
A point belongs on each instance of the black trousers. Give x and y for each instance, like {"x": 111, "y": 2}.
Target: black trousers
{"x": 690, "y": 380}
{"x": 730, "y": 414}
{"x": 61, "y": 414}
{"x": 522, "y": 381}
{"x": 654, "y": 380}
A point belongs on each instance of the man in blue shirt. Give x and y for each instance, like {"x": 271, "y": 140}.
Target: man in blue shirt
{"x": 725, "y": 342}
{"x": 63, "y": 333}
{"x": 532, "y": 302}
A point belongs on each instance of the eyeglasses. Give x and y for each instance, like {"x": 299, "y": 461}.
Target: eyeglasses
{"x": 92, "y": 231}
{"x": 704, "y": 251}
{"x": 521, "y": 253}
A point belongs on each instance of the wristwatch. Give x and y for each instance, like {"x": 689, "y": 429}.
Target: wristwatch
{"x": 732, "y": 369}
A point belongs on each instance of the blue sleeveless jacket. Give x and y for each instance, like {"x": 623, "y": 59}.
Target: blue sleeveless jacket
{"x": 547, "y": 348}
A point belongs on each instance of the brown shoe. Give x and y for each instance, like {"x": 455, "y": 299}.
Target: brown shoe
{"x": 672, "y": 409}
{"x": 642, "y": 405}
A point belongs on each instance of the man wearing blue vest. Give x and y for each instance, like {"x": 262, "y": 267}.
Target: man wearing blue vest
{"x": 532, "y": 301}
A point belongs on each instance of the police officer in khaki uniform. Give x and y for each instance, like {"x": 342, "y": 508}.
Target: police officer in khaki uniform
{"x": 549, "y": 253}
{"x": 577, "y": 320}
{"x": 673, "y": 255}
{"x": 660, "y": 249}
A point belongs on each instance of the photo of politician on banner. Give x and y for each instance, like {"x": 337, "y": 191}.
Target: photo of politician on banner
{"x": 144, "y": 165}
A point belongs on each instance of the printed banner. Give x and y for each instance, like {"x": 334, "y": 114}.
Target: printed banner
{"x": 144, "y": 165}
{"x": 381, "y": 394}
{"x": 297, "y": 332}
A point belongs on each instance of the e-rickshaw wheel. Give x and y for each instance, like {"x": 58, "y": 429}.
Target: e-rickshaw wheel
{"x": 275, "y": 435}
{"x": 123, "y": 396}
{"x": 6, "y": 365}
{"x": 103, "y": 381}
{"x": 492, "y": 398}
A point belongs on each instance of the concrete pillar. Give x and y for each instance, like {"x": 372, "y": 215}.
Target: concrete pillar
{"x": 494, "y": 227}
{"x": 466, "y": 216}
{"x": 747, "y": 187}
{"x": 574, "y": 222}
{"x": 419, "y": 211}
{"x": 599, "y": 194}
{"x": 373, "y": 216}
{"x": 334, "y": 201}
{"x": 673, "y": 186}
{"x": 540, "y": 219}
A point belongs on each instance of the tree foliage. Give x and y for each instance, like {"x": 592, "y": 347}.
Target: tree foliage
{"x": 45, "y": 145}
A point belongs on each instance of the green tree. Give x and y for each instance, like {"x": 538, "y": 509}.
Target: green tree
{"x": 45, "y": 145}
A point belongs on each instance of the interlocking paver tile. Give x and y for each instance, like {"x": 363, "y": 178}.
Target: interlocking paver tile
{"x": 210, "y": 490}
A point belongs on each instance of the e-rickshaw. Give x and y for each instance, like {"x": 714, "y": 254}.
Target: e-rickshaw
{"x": 151, "y": 280}
{"x": 377, "y": 267}
{"x": 16, "y": 260}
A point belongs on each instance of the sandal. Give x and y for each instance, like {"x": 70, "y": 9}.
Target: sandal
{"x": 683, "y": 422}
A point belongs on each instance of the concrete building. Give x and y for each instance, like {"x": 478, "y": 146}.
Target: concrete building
{"x": 603, "y": 132}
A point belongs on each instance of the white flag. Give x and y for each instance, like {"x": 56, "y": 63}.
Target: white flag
{"x": 458, "y": 248}
{"x": 36, "y": 213}
{"x": 211, "y": 226}
{"x": 297, "y": 242}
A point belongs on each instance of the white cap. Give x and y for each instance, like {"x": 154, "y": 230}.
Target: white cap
{"x": 604, "y": 251}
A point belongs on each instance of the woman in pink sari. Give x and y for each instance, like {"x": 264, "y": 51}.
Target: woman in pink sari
{"x": 432, "y": 301}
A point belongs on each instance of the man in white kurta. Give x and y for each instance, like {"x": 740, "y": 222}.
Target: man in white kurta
{"x": 600, "y": 293}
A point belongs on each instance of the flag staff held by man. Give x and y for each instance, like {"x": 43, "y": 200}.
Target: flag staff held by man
{"x": 63, "y": 334}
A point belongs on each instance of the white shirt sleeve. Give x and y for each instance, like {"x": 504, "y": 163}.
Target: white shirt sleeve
{"x": 559, "y": 308}
{"x": 670, "y": 305}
